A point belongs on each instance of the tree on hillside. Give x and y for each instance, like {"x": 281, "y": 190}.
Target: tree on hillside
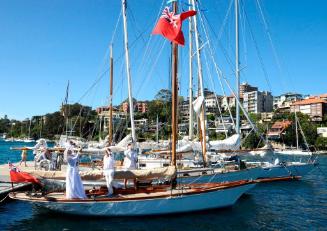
{"x": 163, "y": 95}
{"x": 251, "y": 141}
{"x": 4, "y": 125}
{"x": 309, "y": 129}
{"x": 159, "y": 108}
{"x": 76, "y": 109}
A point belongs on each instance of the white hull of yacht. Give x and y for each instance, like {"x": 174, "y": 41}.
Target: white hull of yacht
{"x": 261, "y": 153}
{"x": 181, "y": 203}
{"x": 295, "y": 152}
{"x": 246, "y": 174}
{"x": 292, "y": 169}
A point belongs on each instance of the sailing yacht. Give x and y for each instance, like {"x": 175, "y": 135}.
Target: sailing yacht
{"x": 187, "y": 146}
{"x": 297, "y": 150}
{"x": 231, "y": 145}
{"x": 153, "y": 200}
{"x": 270, "y": 170}
{"x": 28, "y": 139}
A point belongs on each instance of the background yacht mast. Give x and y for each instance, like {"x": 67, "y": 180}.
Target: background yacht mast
{"x": 202, "y": 115}
{"x": 129, "y": 81}
{"x": 237, "y": 70}
{"x": 110, "y": 97}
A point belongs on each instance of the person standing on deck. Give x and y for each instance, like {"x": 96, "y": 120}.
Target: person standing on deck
{"x": 74, "y": 185}
{"x": 130, "y": 161}
{"x": 109, "y": 170}
{"x": 40, "y": 145}
{"x": 24, "y": 157}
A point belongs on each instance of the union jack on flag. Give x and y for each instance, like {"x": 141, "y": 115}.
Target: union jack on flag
{"x": 169, "y": 16}
{"x": 169, "y": 25}
{"x": 13, "y": 167}
{"x": 16, "y": 176}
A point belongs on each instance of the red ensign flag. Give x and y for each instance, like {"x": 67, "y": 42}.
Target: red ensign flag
{"x": 20, "y": 177}
{"x": 170, "y": 25}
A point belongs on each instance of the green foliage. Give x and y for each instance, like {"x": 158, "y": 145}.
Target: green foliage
{"x": 159, "y": 108}
{"x": 321, "y": 143}
{"x": 51, "y": 124}
{"x": 4, "y": 124}
{"x": 255, "y": 117}
{"x": 163, "y": 95}
{"x": 309, "y": 129}
{"x": 76, "y": 109}
{"x": 216, "y": 136}
{"x": 280, "y": 116}
{"x": 324, "y": 121}
{"x": 210, "y": 117}
{"x": 233, "y": 111}
{"x": 251, "y": 141}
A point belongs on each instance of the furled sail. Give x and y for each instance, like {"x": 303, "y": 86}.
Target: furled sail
{"x": 165, "y": 172}
{"x": 230, "y": 143}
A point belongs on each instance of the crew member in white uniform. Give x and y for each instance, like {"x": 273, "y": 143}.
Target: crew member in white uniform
{"x": 39, "y": 149}
{"x": 109, "y": 170}
{"x": 130, "y": 161}
{"x": 74, "y": 184}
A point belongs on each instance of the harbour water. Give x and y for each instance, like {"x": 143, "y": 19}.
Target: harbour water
{"x": 296, "y": 205}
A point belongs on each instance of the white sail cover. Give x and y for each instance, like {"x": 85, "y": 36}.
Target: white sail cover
{"x": 230, "y": 143}
{"x": 185, "y": 145}
{"x": 165, "y": 172}
{"x": 197, "y": 104}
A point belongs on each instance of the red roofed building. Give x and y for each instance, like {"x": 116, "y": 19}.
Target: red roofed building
{"x": 323, "y": 96}
{"x": 315, "y": 107}
{"x": 278, "y": 128}
{"x": 139, "y": 106}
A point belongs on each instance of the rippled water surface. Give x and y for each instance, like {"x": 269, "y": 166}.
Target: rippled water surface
{"x": 296, "y": 205}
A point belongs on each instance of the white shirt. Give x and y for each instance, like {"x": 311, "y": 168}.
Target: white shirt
{"x": 108, "y": 162}
{"x": 38, "y": 146}
{"x": 130, "y": 159}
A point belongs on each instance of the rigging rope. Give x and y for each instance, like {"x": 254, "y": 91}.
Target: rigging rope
{"x": 217, "y": 69}
{"x": 4, "y": 198}
{"x": 148, "y": 43}
{"x": 228, "y": 59}
{"x": 264, "y": 70}
{"x": 216, "y": 98}
{"x": 265, "y": 24}
{"x": 152, "y": 68}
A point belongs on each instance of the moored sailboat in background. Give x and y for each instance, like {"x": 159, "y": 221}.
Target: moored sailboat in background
{"x": 296, "y": 151}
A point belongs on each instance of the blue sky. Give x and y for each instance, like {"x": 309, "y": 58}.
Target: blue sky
{"x": 43, "y": 44}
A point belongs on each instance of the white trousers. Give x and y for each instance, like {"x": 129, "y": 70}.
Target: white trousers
{"x": 109, "y": 175}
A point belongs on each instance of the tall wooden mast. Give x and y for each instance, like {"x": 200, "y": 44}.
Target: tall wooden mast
{"x": 174, "y": 95}
{"x": 128, "y": 72}
{"x": 110, "y": 97}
